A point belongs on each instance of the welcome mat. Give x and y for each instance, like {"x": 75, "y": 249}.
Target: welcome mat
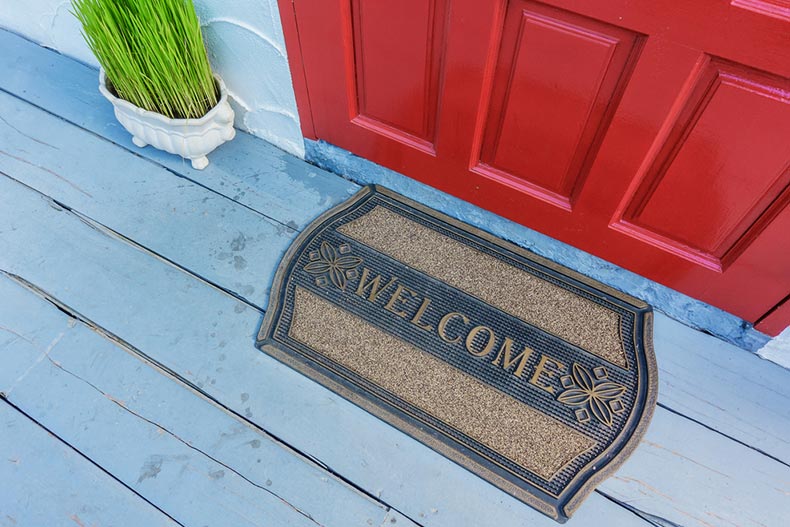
{"x": 528, "y": 374}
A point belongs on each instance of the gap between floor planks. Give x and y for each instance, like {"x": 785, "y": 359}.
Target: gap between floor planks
{"x": 158, "y": 437}
{"x": 71, "y": 236}
{"x": 711, "y": 403}
{"x": 32, "y": 458}
{"x": 617, "y": 518}
{"x": 240, "y": 253}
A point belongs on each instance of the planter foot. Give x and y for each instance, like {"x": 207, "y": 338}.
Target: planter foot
{"x": 139, "y": 142}
{"x": 200, "y": 163}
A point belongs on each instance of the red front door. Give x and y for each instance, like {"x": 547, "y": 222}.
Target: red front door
{"x": 655, "y": 135}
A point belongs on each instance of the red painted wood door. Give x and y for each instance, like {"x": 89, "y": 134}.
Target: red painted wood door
{"x": 655, "y": 135}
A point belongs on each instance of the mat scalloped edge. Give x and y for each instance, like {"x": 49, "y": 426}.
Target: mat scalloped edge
{"x": 528, "y": 374}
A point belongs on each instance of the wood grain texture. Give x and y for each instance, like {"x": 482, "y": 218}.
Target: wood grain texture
{"x": 252, "y": 172}
{"x": 126, "y": 283}
{"x": 181, "y": 452}
{"x": 75, "y": 98}
{"x": 223, "y": 242}
{"x": 187, "y": 326}
{"x": 45, "y": 482}
{"x": 737, "y": 394}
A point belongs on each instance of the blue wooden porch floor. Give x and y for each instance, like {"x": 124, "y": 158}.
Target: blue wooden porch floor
{"x": 131, "y": 288}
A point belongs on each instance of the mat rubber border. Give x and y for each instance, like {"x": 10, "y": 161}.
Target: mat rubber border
{"x": 543, "y": 397}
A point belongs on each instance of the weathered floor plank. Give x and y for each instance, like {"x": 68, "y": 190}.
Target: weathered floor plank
{"x": 291, "y": 193}
{"x": 130, "y": 291}
{"x": 227, "y": 244}
{"x": 182, "y": 453}
{"x": 188, "y": 327}
{"x": 734, "y": 392}
{"x": 251, "y": 171}
{"x": 45, "y": 482}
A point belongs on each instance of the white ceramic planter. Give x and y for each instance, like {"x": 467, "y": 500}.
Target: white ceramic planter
{"x": 189, "y": 138}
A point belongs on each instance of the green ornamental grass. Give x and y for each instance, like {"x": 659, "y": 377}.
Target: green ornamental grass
{"x": 152, "y": 53}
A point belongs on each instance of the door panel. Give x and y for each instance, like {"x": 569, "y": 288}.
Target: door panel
{"x": 557, "y": 83}
{"x": 729, "y": 143}
{"x": 401, "y": 102}
{"x": 655, "y": 135}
